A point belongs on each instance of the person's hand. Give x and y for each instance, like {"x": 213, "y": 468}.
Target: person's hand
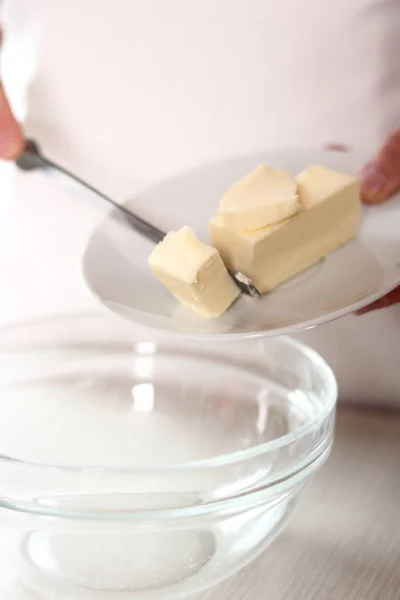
{"x": 380, "y": 179}
{"x": 11, "y": 136}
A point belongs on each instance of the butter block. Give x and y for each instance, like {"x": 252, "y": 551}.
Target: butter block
{"x": 262, "y": 198}
{"x": 274, "y": 254}
{"x": 317, "y": 183}
{"x": 194, "y": 273}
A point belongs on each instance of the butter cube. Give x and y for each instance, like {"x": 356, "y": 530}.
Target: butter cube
{"x": 194, "y": 273}
{"x": 264, "y": 197}
{"x": 274, "y": 254}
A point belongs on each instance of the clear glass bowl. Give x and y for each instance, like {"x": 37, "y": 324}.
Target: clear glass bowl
{"x": 133, "y": 468}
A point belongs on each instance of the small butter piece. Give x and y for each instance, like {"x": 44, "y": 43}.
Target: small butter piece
{"x": 262, "y": 198}
{"x": 194, "y": 273}
{"x": 274, "y": 254}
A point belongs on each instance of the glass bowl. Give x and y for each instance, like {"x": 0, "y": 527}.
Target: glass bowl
{"x": 139, "y": 468}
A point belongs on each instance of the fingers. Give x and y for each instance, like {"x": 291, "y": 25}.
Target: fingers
{"x": 388, "y": 300}
{"x": 380, "y": 178}
{"x": 11, "y": 136}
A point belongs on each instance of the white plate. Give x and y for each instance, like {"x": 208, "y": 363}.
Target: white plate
{"x": 115, "y": 262}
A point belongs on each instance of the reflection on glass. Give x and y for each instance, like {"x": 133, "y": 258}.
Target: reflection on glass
{"x": 143, "y": 397}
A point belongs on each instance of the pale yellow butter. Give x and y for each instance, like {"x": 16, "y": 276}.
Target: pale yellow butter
{"x": 274, "y": 254}
{"x": 263, "y": 197}
{"x": 317, "y": 183}
{"x": 194, "y": 273}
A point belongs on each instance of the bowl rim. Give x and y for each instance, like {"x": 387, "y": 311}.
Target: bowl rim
{"x": 218, "y": 461}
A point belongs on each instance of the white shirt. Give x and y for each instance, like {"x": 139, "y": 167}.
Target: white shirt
{"x": 128, "y": 92}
